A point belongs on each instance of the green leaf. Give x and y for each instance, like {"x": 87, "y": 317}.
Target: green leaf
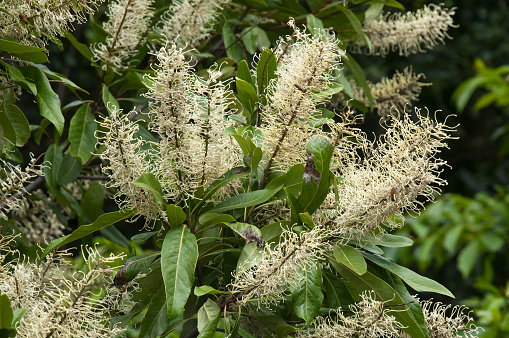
{"x": 47, "y": 100}
{"x": 205, "y": 290}
{"x": 103, "y": 221}
{"x": 337, "y": 292}
{"x": 392, "y": 3}
{"x": 350, "y": 258}
{"x": 93, "y": 201}
{"x": 179, "y": 255}
{"x": 59, "y": 77}
{"x": 246, "y": 199}
{"x": 82, "y": 134}
{"x": 234, "y": 51}
{"x": 388, "y": 240}
{"x": 12, "y": 120}
{"x": 176, "y": 216}
{"x": 265, "y": 70}
{"x": 80, "y": 47}
{"x": 315, "y": 25}
{"x": 322, "y": 150}
{"x": 24, "y": 52}
{"x": 138, "y": 263}
{"x": 356, "y": 24}
{"x": 386, "y": 293}
{"x": 247, "y": 94}
{"x": 468, "y": 258}
{"x": 155, "y": 321}
{"x": 6, "y": 314}
{"x": 243, "y": 73}
{"x": 307, "y": 297}
{"x": 17, "y": 76}
{"x": 17, "y": 316}
{"x": 109, "y": 100}
{"x": 209, "y": 312}
{"x": 417, "y": 282}
{"x": 69, "y": 170}
{"x": 143, "y": 236}
{"x": 150, "y": 182}
{"x": 251, "y": 256}
{"x": 231, "y": 175}
{"x": 53, "y": 159}
{"x": 358, "y": 75}
{"x": 255, "y": 39}
{"x": 213, "y": 218}
{"x": 112, "y": 234}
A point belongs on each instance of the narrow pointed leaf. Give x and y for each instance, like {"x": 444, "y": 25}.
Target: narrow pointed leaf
{"x": 103, "y": 221}
{"x": 350, "y": 258}
{"x": 82, "y": 134}
{"x": 414, "y": 280}
{"x": 150, "y": 182}
{"x": 155, "y": 321}
{"x": 246, "y": 199}
{"x": 179, "y": 255}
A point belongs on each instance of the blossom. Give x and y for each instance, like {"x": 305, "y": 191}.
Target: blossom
{"x": 190, "y": 115}
{"x": 35, "y": 22}
{"x": 58, "y": 300}
{"x": 305, "y": 68}
{"x": 385, "y": 178}
{"x": 410, "y": 33}
{"x": 12, "y": 185}
{"x": 391, "y": 93}
{"x": 125, "y": 161}
{"x": 189, "y": 21}
{"x": 128, "y": 22}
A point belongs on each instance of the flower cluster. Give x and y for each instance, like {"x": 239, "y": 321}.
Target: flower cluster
{"x": 58, "y": 300}
{"x": 125, "y": 157}
{"x": 12, "y": 184}
{"x": 190, "y": 115}
{"x": 35, "y": 22}
{"x": 389, "y": 176}
{"x": 409, "y": 33}
{"x": 128, "y": 22}
{"x": 187, "y": 22}
{"x": 305, "y": 68}
{"x": 391, "y": 94}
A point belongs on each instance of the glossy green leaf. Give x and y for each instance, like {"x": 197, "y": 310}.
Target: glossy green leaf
{"x": 468, "y": 258}
{"x": 103, "y": 221}
{"x": 12, "y": 120}
{"x": 69, "y": 170}
{"x": 179, "y": 255}
{"x": 213, "y": 218}
{"x": 350, "y": 258}
{"x": 356, "y": 24}
{"x": 234, "y": 51}
{"x": 139, "y": 263}
{"x": 17, "y": 316}
{"x": 109, "y": 100}
{"x": 307, "y": 297}
{"x": 80, "y": 47}
{"x": 255, "y": 39}
{"x": 388, "y": 240}
{"x": 150, "y": 182}
{"x": 82, "y": 134}
{"x": 58, "y": 77}
{"x": 247, "y": 94}
{"x": 112, "y": 234}
{"x": 92, "y": 202}
{"x": 17, "y": 76}
{"x": 6, "y": 314}
{"x": 417, "y": 282}
{"x": 243, "y": 73}
{"x": 143, "y": 236}
{"x": 47, "y": 100}
{"x": 265, "y": 70}
{"x": 392, "y": 3}
{"x": 206, "y": 290}
{"x": 358, "y": 75}
{"x": 176, "y": 215}
{"x": 337, "y": 292}
{"x": 53, "y": 159}
{"x": 251, "y": 256}
{"x": 315, "y": 25}
{"x": 209, "y": 312}
{"x": 24, "y": 52}
{"x": 386, "y": 293}
{"x": 155, "y": 321}
{"x": 246, "y": 199}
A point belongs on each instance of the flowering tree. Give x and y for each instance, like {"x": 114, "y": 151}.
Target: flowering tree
{"x": 265, "y": 206}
